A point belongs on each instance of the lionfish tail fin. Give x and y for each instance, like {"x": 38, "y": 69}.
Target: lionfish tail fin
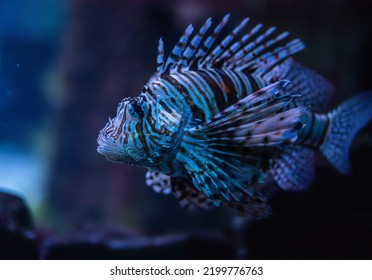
{"x": 345, "y": 122}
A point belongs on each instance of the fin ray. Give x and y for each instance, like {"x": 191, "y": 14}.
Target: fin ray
{"x": 177, "y": 51}
{"x": 221, "y": 164}
{"x": 217, "y": 51}
{"x": 188, "y": 196}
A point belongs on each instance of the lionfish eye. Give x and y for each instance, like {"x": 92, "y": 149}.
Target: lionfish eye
{"x": 137, "y": 107}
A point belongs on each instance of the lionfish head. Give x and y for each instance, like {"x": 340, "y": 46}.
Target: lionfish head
{"x": 144, "y": 132}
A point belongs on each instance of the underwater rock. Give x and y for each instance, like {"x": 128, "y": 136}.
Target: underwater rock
{"x": 17, "y": 240}
{"x": 17, "y": 246}
{"x": 14, "y": 214}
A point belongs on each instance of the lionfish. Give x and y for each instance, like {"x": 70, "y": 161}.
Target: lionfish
{"x": 222, "y": 119}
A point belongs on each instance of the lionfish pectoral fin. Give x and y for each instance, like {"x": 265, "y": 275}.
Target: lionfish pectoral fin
{"x": 222, "y": 155}
{"x": 230, "y": 192}
{"x": 159, "y": 182}
{"x": 314, "y": 90}
{"x": 260, "y": 119}
{"x": 188, "y": 196}
{"x": 256, "y": 207}
{"x": 225, "y": 175}
{"x": 294, "y": 169}
{"x": 191, "y": 199}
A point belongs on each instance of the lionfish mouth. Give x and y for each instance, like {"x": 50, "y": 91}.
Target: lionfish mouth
{"x": 102, "y": 143}
{"x": 112, "y": 152}
{"x": 105, "y": 148}
{"x": 101, "y": 149}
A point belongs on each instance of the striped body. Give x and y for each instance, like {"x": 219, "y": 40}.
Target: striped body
{"x": 204, "y": 94}
{"x": 208, "y": 92}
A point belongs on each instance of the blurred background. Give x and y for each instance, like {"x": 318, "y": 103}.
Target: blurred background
{"x": 65, "y": 65}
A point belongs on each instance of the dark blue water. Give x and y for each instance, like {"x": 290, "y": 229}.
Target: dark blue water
{"x": 29, "y": 36}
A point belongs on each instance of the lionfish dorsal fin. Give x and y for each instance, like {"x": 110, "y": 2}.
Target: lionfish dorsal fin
{"x": 190, "y": 51}
{"x": 253, "y": 51}
{"x": 177, "y": 51}
{"x": 160, "y": 57}
{"x": 217, "y": 51}
{"x": 208, "y": 42}
{"x": 184, "y": 55}
{"x": 316, "y": 91}
{"x": 264, "y": 63}
{"x": 228, "y": 53}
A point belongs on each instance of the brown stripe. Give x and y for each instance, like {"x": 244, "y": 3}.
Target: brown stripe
{"x": 228, "y": 87}
{"x": 201, "y": 92}
{"x": 253, "y": 83}
{"x": 142, "y": 137}
{"x": 122, "y": 122}
{"x": 186, "y": 95}
{"x": 217, "y": 91}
